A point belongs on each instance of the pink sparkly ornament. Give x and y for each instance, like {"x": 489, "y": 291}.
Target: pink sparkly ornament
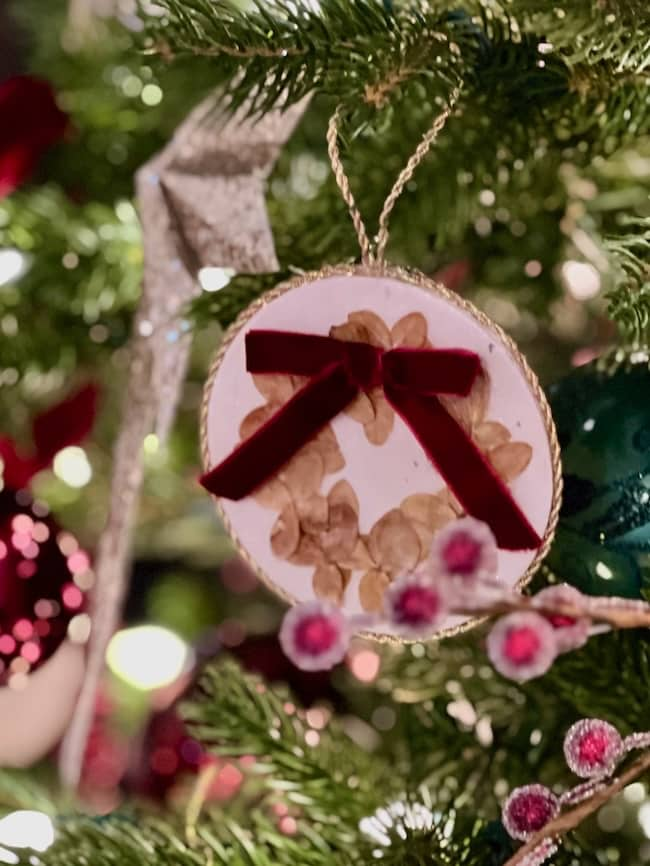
{"x": 465, "y": 550}
{"x": 529, "y": 809}
{"x": 39, "y": 594}
{"x": 570, "y": 632}
{"x": 592, "y": 748}
{"x": 315, "y": 635}
{"x": 415, "y": 605}
{"x": 522, "y": 646}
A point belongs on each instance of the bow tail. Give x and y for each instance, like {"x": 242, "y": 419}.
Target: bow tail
{"x": 264, "y": 453}
{"x": 466, "y": 470}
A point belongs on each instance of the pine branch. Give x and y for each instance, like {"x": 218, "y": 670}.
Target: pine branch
{"x": 236, "y": 714}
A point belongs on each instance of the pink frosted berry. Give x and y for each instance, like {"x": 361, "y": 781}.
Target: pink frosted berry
{"x": 522, "y": 645}
{"x": 314, "y": 635}
{"x": 592, "y": 748}
{"x": 466, "y": 550}
{"x": 415, "y": 605}
{"x": 528, "y": 809}
{"x": 570, "y": 632}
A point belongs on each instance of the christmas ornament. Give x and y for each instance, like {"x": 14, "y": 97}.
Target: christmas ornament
{"x": 36, "y": 714}
{"x": 30, "y": 123}
{"x": 201, "y": 202}
{"x": 44, "y": 573}
{"x": 315, "y": 635}
{"x": 522, "y": 646}
{"x": 528, "y": 809}
{"x": 570, "y": 632}
{"x": 415, "y": 605}
{"x": 353, "y": 412}
{"x": 603, "y": 422}
{"x": 593, "y": 748}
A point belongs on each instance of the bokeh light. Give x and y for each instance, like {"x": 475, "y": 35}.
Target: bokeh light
{"x": 25, "y": 829}
{"x": 148, "y": 656}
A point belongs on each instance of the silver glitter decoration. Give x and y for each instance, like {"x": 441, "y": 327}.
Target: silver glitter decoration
{"x": 201, "y": 203}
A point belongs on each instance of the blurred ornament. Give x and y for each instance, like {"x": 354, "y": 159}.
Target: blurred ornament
{"x": 44, "y": 573}
{"x": 522, "y": 645}
{"x": 35, "y": 717}
{"x": 570, "y": 633}
{"x": 201, "y": 204}
{"x": 63, "y": 425}
{"x": 43, "y": 577}
{"x": 603, "y": 419}
{"x": 30, "y": 122}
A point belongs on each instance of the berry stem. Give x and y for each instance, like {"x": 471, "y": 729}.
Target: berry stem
{"x": 571, "y": 819}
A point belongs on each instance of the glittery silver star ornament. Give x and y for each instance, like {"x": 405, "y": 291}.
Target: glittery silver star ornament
{"x": 201, "y": 203}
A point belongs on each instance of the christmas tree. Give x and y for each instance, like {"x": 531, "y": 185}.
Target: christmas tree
{"x": 163, "y": 167}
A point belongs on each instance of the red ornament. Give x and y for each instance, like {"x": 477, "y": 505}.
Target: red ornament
{"x": 522, "y": 645}
{"x": 43, "y": 571}
{"x": 314, "y": 635}
{"x": 528, "y": 809}
{"x": 30, "y": 122}
{"x": 570, "y": 632}
{"x": 592, "y": 748}
{"x": 415, "y": 605}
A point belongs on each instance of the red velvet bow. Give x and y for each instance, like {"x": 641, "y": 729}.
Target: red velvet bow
{"x": 410, "y": 378}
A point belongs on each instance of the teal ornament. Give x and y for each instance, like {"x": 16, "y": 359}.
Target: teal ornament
{"x": 602, "y": 414}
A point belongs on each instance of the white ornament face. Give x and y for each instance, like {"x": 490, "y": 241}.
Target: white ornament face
{"x": 360, "y": 504}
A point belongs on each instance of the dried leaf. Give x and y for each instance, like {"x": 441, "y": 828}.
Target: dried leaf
{"x": 379, "y": 429}
{"x": 303, "y": 474}
{"x": 359, "y": 558}
{"x": 460, "y": 409}
{"x": 285, "y": 534}
{"x": 378, "y": 333}
{"x": 393, "y": 543}
{"x": 308, "y": 552}
{"x": 511, "y": 459}
{"x": 313, "y": 513}
{"x": 427, "y": 513}
{"x": 329, "y": 582}
{"x": 478, "y": 399}
{"x": 254, "y": 420}
{"x": 361, "y": 409}
{"x": 326, "y": 444}
{"x": 372, "y": 587}
{"x": 410, "y": 331}
{"x": 273, "y": 494}
{"x": 274, "y": 387}
{"x": 339, "y": 539}
{"x": 342, "y": 492}
{"x": 353, "y": 332}
{"x": 490, "y": 434}
{"x": 451, "y": 500}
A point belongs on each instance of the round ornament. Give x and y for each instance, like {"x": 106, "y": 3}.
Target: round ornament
{"x": 352, "y": 414}
{"x": 43, "y": 578}
{"x": 35, "y": 717}
{"x": 603, "y": 420}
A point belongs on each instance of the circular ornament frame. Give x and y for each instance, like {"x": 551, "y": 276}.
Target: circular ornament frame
{"x": 421, "y": 281}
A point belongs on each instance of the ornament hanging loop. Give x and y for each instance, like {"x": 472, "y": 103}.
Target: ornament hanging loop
{"x": 372, "y": 252}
